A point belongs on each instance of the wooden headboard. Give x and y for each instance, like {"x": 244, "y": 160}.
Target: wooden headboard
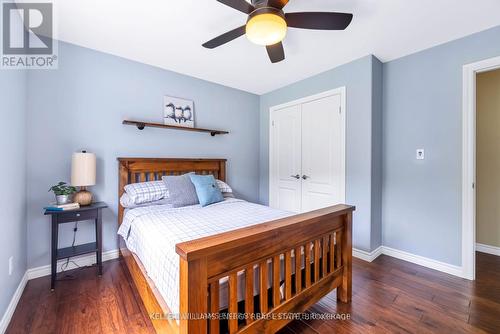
{"x": 133, "y": 170}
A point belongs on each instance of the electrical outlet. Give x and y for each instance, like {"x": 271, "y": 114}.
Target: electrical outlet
{"x": 11, "y": 265}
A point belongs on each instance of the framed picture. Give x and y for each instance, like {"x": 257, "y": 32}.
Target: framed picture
{"x": 179, "y": 112}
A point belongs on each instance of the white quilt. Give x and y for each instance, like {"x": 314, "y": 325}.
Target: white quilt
{"x": 152, "y": 233}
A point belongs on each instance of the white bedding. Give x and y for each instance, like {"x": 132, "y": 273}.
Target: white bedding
{"x": 152, "y": 233}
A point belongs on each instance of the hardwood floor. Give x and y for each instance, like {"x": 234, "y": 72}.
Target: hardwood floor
{"x": 389, "y": 296}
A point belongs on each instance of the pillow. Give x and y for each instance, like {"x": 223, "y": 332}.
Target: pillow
{"x": 228, "y": 195}
{"x": 181, "y": 191}
{"x": 144, "y": 192}
{"x": 206, "y": 188}
{"x": 127, "y": 202}
{"x": 223, "y": 186}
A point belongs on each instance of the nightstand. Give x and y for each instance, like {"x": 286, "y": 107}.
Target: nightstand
{"x": 90, "y": 212}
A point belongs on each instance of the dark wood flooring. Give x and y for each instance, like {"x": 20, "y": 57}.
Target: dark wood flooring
{"x": 389, "y": 296}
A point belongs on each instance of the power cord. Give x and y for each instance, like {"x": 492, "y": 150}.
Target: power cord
{"x": 65, "y": 265}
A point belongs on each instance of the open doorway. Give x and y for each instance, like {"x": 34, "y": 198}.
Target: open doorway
{"x": 473, "y": 74}
{"x": 488, "y": 162}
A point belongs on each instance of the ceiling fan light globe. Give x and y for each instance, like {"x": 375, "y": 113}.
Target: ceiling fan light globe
{"x": 266, "y": 29}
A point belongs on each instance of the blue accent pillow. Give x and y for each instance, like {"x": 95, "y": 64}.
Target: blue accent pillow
{"x": 206, "y": 188}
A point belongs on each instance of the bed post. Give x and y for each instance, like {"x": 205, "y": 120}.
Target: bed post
{"x": 122, "y": 182}
{"x": 222, "y": 170}
{"x": 193, "y": 296}
{"x": 344, "y": 291}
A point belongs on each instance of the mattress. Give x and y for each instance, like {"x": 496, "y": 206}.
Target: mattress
{"x": 152, "y": 232}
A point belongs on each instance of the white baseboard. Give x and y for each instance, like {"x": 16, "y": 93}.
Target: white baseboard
{"x": 423, "y": 261}
{"x": 81, "y": 261}
{"x": 493, "y": 250}
{"x": 409, "y": 257}
{"x": 13, "y": 303}
{"x": 367, "y": 256}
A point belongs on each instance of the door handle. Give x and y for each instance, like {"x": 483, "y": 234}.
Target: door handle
{"x": 305, "y": 177}
{"x": 295, "y": 176}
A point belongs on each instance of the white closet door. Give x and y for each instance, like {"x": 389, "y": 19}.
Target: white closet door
{"x": 322, "y": 153}
{"x": 286, "y": 159}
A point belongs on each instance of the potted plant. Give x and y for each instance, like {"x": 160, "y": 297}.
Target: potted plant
{"x": 63, "y": 192}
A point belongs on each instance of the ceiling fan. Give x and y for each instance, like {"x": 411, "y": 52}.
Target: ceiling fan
{"x": 267, "y": 24}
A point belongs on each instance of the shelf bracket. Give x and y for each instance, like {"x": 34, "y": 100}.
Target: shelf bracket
{"x": 141, "y": 126}
{"x": 213, "y": 133}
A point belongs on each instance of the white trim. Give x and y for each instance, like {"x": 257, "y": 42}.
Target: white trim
{"x": 493, "y": 250}
{"x": 409, "y": 257}
{"x": 343, "y": 106}
{"x": 310, "y": 98}
{"x": 4, "y": 323}
{"x": 367, "y": 256}
{"x": 469, "y": 162}
{"x": 82, "y": 261}
{"x": 423, "y": 261}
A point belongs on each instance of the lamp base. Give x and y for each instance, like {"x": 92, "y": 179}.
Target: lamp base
{"x": 83, "y": 197}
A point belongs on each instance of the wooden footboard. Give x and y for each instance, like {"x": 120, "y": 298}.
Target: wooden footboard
{"x": 322, "y": 237}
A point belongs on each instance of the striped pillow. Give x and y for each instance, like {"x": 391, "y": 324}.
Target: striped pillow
{"x": 223, "y": 186}
{"x": 127, "y": 202}
{"x": 144, "y": 192}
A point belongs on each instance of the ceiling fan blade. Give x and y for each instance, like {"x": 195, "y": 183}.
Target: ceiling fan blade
{"x": 240, "y": 5}
{"x": 224, "y": 38}
{"x": 318, "y": 20}
{"x": 277, "y": 3}
{"x": 276, "y": 52}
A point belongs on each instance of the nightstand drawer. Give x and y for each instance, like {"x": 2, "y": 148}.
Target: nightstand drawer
{"x": 72, "y": 216}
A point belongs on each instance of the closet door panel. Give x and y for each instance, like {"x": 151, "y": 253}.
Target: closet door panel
{"x": 322, "y": 153}
{"x": 286, "y": 189}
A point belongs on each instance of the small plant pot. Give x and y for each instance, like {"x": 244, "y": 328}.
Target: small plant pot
{"x": 63, "y": 199}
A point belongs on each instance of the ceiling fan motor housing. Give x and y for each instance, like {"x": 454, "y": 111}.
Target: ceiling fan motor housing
{"x": 266, "y": 10}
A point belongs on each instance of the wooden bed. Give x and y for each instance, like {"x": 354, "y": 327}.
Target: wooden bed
{"x": 204, "y": 261}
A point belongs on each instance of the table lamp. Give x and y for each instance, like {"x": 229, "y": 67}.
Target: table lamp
{"x": 83, "y": 166}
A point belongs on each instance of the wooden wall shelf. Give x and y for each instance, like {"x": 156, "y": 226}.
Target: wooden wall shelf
{"x": 141, "y": 125}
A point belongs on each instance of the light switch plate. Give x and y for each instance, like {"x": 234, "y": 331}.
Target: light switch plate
{"x": 420, "y": 154}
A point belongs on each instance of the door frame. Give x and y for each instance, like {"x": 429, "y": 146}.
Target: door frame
{"x": 272, "y": 110}
{"x": 470, "y": 72}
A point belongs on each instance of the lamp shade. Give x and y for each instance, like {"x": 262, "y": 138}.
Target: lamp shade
{"x": 83, "y": 167}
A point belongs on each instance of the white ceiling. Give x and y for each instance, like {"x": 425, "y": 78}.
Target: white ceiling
{"x": 169, "y": 34}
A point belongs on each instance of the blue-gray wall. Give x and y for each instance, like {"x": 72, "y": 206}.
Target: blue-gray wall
{"x": 82, "y": 105}
{"x": 423, "y": 109}
{"x": 13, "y": 87}
{"x": 357, "y": 78}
